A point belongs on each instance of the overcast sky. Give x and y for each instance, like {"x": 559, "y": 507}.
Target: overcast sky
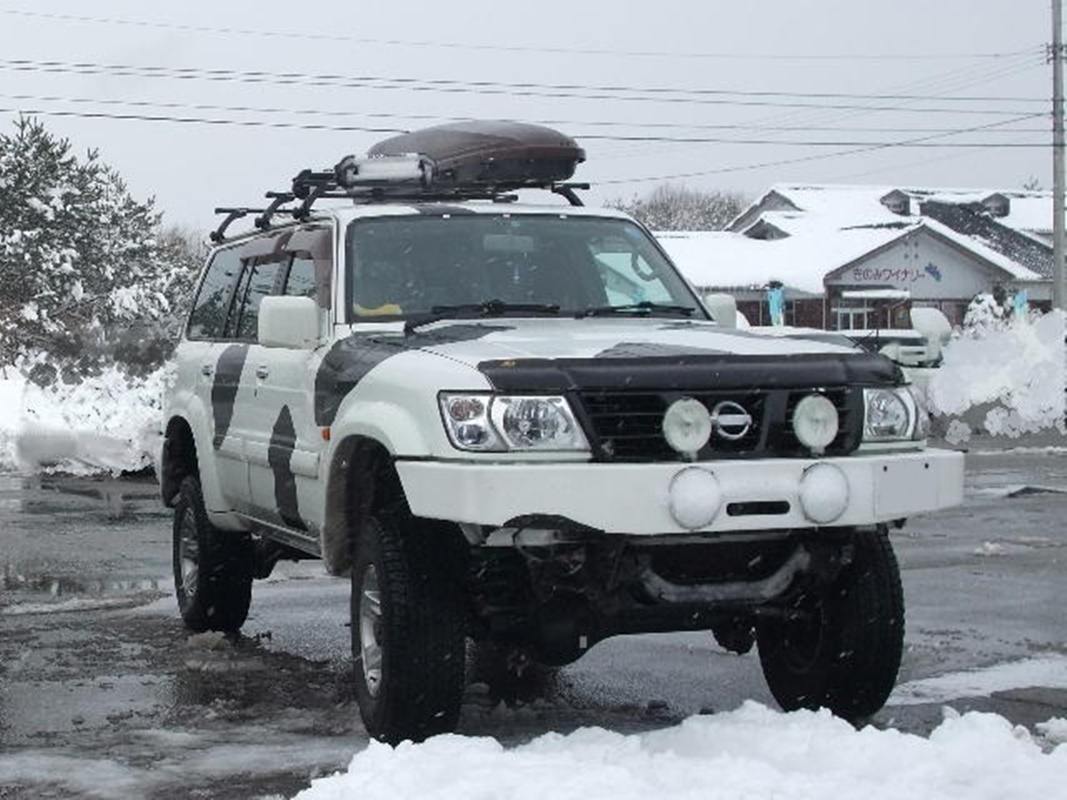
{"x": 718, "y": 95}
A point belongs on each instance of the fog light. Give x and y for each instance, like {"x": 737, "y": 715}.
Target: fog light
{"x": 815, "y": 422}
{"x": 687, "y": 426}
{"x": 823, "y": 493}
{"x": 695, "y": 497}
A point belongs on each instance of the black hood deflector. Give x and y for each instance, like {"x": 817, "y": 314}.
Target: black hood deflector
{"x": 691, "y": 372}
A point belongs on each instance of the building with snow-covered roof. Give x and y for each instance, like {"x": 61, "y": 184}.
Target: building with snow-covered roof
{"x": 861, "y": 256}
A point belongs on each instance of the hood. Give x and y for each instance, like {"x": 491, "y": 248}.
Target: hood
{"x": 559, "y": 355}
{"x": 589, "y": 354}
{"x": 594, "y": 338}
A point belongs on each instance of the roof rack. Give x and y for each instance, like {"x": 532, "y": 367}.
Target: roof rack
{"x": 473, "y": 160}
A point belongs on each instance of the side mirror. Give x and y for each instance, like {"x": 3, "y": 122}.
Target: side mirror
{"x": 723, "y": 309}
{"x": 291, "y": 322}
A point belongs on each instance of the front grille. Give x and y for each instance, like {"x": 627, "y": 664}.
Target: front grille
{"x": 627, "y": 425}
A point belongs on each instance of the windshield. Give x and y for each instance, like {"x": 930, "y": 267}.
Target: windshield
{"x": 415, "y": 266}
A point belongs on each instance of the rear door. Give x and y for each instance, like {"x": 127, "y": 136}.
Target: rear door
{"x": 216, "y": 361}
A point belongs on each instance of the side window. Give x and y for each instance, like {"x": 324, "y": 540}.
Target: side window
{"x": 208, "y": 318}
{"x": 628, "y": 278}
{"x": 300, "y": 281}
{"x": 311, "y": 271}
{"x": 257, "y": 282}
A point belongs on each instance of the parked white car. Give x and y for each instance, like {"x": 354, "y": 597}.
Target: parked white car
{"x": 517, "y": 424}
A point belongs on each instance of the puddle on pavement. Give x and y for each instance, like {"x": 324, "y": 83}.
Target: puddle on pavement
{"x": 35, "y": 711}
{"x": 19, "y": 588}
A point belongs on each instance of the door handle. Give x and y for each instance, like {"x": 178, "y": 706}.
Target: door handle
{"x": 262, "y": 372}
{"x": 206, "y": 369}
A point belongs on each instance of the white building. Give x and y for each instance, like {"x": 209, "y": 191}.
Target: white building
{"x": 860, "y": 256}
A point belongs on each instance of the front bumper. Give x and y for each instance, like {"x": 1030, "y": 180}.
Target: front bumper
{"x": 648, "y": 499}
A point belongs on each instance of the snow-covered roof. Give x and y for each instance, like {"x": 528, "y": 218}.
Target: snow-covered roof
{"x": 1029, "y": 211}
{"x": 1014, "y": 257}
{"x": 724, "y": 260}
{"x": 828, "y": 226}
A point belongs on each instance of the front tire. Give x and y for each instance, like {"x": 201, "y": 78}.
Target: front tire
{"x": 408, "y": 631}
{"x": 839, "y": 645}
{"x": 212, "y": 568}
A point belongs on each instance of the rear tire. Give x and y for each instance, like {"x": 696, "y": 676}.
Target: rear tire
{"x": 212, "y": 568}
{"x": 839, "y": 645}
{"x": 408, "y": 627}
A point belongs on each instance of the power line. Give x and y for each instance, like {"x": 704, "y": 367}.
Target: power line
{"x": 932, "y": 87}
{"x": 790, "y": 161}
{"x": 549, "y": 91}
{"x": 569, "y": 123}
{"x": 955, "y": 80}
{"x": 323, "y": 37}
{"x": 189, "y": 120}
{"x": 922, "y": 142}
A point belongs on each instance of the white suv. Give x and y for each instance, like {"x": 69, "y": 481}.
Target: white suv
{"x": 518, "y": 425}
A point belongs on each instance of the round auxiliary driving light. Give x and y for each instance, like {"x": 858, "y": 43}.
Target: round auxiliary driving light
{"x": 694, "y": 497}
{"x": 823, "y": 493}
{"x": 815, "y": 422}
{"x": 687, "y": 426}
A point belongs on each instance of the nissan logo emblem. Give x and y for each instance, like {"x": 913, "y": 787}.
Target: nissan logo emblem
{"x": 730, "y": 421}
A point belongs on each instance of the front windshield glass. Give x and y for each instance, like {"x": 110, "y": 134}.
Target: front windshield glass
{"x": 407, "y": 267}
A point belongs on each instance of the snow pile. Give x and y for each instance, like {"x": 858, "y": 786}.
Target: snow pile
{"x": 752, "y": 753}
{"x": 1005, "y": 379}
{"x": 110, "y": 422}
{"x": 1054, "y": 730}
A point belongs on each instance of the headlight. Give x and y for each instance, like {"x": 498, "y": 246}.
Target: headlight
{"x": 891, "y": 415}
{"x": 497, "y": 423}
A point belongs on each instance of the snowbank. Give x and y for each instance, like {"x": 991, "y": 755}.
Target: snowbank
{"x": 753, "y": 753}
{"x": 110, "y": 422}
{"x": 1005, "y": 380}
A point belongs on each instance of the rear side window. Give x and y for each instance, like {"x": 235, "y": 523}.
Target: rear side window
{"x": 208, "y": 318}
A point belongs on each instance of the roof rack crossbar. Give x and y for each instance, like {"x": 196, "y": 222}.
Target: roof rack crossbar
{"x": 306, "y": 181}
{"x": 319, "y": 191}
{"x": 232, "y": 215}
{"x": 568, "y": 191}
{"x": 277, "y": 200}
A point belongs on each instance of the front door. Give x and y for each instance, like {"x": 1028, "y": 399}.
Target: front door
{"x": 284, "y": 459}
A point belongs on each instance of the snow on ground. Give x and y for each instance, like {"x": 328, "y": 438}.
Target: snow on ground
{"x": 107, "y": 423}
{"x": 1048, "y": 671}
{"x": 753, "y": 753}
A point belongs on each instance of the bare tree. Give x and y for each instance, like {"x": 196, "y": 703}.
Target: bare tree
{"x": 677, "y": 208}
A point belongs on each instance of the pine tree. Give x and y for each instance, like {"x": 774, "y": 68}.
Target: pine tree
{"x": 83, "y": 278}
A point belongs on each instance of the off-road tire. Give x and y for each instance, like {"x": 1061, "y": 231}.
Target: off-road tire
{"x": 411, "y": 572}
{"x": 838, "y": 646}
{"x": 212, "y": 568}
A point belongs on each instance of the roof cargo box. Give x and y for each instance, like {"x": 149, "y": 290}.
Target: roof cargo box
{"x": 504, "y": 155}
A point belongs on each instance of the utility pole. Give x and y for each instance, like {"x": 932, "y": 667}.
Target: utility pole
{"x": 1059, "y": 283}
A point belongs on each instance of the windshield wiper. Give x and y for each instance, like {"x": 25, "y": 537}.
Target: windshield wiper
{"x": 644, "y": 307}
{"x": 487, "y": 308}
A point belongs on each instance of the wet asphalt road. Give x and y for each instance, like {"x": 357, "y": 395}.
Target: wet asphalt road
{"x": 104, "y": 694}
